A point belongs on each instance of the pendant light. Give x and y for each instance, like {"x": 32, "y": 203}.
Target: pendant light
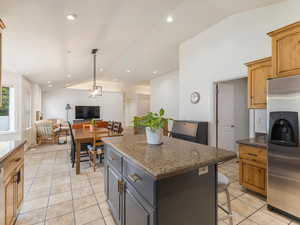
{"x": 96, "y": 91}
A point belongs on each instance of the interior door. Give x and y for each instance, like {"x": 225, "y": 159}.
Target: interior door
{"x": 226, "y": 126}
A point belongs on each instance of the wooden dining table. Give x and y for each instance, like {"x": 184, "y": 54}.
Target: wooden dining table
{"x": 85, "y": 135}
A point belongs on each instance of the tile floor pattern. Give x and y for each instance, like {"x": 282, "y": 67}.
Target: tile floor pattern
{"x": 55, "y": 195}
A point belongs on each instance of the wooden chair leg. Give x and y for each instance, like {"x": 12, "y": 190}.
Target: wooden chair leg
{"x": 94, "y": 161}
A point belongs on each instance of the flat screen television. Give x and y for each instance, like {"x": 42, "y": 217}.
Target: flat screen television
{"x": 87, "y": 112}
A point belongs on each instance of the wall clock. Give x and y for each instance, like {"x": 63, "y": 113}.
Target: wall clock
{"x": 195, "y": 97}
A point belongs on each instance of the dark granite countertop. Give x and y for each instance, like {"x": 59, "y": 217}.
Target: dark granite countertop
{"x": 172, "y": 158}
{"x": 8, "y": 147}
{"x": 260, "y": 141}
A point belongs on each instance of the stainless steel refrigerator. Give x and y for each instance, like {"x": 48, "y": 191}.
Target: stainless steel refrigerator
{"x": 283, "y": 145}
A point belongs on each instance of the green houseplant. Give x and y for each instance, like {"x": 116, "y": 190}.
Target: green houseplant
{"x": 153, "y": 123}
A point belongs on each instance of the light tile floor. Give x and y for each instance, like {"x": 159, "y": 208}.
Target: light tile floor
{"x": 55, "y": 195}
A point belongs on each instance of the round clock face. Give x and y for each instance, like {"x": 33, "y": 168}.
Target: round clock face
{"x": 195, "y": 97}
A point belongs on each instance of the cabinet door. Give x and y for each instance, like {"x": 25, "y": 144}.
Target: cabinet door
{"x": 253, "y": 176}
{"x": 135, "y": 209}
{"x": 9, "y": 201}
{"x": 287, "y": 54}
{"x": 20, "y": 186}
{"x": 258, "y": 73}
{"x": 114, "y": 193}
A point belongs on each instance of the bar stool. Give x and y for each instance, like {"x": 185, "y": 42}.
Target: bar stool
{"x": 223, "y": 184}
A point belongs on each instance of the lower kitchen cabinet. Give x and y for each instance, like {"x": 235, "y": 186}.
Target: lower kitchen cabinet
{"x": 136, "y": 210}
{"x": 11, "y": 185}
{"x": 253, "y": 165}
{"x": 9, "y": 192}
{"x": 20, "y": 185}
{"x": 114, "y": 193}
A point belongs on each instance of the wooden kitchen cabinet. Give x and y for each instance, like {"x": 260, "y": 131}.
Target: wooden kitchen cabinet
{"x": 11, "y": 184}
{"x": 285, "y": 50}
{"x": 2, "y": 26}
{"x": 258, "y": 73}
{"x": 253, "y": 164}
{"x": 9, "y": 190}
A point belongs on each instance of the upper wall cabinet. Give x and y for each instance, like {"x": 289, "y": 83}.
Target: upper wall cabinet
{"x": 258, "y": 72}
{"x": 2, "y": 26}
{"x": 286, "y": 50}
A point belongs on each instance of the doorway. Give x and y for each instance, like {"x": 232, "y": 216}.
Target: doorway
{"x": 232, "y": 113}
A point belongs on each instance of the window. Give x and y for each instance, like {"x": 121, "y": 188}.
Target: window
{"x": 5, "y": 110}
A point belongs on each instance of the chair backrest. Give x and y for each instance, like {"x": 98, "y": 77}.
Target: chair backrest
{"x": 71, "y": 132}
{"x": 44, "y": 128}
{"x": 117, "y": 128}
{"x": 110, "y": 125}
{"x": 77, "y": 125}
{"x": 86, "y": 125}
{"x": 101, "y": 124}
{"x": 98, "y": 135}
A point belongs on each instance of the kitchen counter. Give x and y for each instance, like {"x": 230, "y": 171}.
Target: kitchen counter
{"x": 260, "y": 141}
{"x": 8, "y": 147}
{"x": 173, "y": 157}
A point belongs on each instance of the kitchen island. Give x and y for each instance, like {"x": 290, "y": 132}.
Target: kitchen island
{"x": 170, "y": 184}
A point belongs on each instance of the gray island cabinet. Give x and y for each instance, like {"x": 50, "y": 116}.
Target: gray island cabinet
{"x": 170, "y": 184}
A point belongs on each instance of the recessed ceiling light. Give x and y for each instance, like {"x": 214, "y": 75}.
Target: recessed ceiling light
{"x": 170, "y": 19}
{"x": 155, "y": 72}
{"x": 69, "y": 75}
{"x": 49, "y": 82}
{"x": 50, "y": 85}
{"x": 71, "y": 16}
{"x": 128, "y": 71}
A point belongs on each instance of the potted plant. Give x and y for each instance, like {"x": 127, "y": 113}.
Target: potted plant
{"x": 154, "y": 124}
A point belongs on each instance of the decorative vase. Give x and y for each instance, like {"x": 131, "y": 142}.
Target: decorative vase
{"x": 154, "y": 137}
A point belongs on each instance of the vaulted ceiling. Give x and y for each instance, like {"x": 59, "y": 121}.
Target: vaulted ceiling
{"x": 42, "y": 44}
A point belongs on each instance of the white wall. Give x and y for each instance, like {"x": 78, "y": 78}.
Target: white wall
{"x": 220, "y": 52}
{"x": 165, "y": 94}
{"x": 54, "y": 103}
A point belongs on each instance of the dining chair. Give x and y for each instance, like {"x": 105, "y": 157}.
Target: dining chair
{"x": 110, "y": 125}
{"x": 96, "y": 150}
{"x": 83, "y": 152}
{"x": 117, "y": 128}
{"x": 46, "y": 132}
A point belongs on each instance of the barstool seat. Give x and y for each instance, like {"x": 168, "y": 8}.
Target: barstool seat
{"x": 223, "y": 184}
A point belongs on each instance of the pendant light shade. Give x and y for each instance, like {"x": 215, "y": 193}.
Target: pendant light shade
{"x": 96, "y": 90}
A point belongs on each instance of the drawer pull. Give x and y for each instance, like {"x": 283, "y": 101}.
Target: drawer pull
{"x": 252, "y": 154}
{"x": 134, "y": 178}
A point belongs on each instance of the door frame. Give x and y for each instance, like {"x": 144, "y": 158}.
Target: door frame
{"x": 216, "y": 96}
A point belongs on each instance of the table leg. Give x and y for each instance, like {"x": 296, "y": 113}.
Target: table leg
{"x": 78, "y": 149}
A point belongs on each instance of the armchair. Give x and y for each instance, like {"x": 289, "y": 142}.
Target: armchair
{"x": 46, "y": 132}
